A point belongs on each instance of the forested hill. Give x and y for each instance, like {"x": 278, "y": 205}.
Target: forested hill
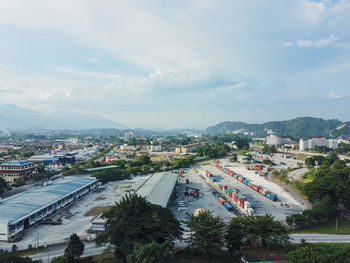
{"x": 303, "y": 127}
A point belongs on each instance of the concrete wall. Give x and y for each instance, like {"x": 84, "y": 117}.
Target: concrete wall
{"x": 4, "y": 230}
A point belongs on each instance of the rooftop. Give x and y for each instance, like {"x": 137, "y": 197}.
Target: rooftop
{"x": 15, "y": 207}
{"x": 158, "y": 188}
{"x": 98, "y": 169}
{"x": 17, "y": 163}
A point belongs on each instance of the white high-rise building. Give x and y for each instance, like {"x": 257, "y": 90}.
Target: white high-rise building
{"x": 273, "y": 140}
{"x": 322, "y": 142}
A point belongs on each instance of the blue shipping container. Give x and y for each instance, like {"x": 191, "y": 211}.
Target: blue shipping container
{"x": 228, "y": 206}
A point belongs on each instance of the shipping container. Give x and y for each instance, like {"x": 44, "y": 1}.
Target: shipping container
{"x": 221, "y": 200}
{"x": 228, "y": 206}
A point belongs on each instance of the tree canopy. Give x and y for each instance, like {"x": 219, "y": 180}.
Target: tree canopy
{"x": 151, "y": 253}
{"x": 74, "y": 249}
{"x": 135, "y": 220}
{"x": 206, "y": 233}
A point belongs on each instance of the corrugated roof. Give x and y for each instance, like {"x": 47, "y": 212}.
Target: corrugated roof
{"x": 17, "y": 163}
{"x": 23, "y": 204}
{"x": 158, "y": 188}
{"x": 96, "y": 169}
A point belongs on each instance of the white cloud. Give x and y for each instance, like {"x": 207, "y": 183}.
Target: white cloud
{"x": 332, "y": 40}
{"x": 334, "y": 95}
{"x": 325, "y": 42}
{"x": 311, "y": 12}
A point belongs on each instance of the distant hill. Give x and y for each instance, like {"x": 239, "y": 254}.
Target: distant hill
{"x": 16, "y": 118}
{"x": 303, "y": 127}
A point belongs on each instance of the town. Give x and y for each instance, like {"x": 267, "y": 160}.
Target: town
{"x": 53, "y": 184}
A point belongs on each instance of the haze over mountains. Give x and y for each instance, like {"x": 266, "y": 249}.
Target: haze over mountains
{"x": 14, "y": 117}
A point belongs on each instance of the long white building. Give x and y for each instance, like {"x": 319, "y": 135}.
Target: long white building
{"x": 26, "y": 209}
{"x": 322, "y": 142}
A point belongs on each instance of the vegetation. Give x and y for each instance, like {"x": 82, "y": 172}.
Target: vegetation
{"x": 339, "y": 226}
{"x": 269, "y": 149}
{"x": 135, "y": 220}
{"x": 267, "y": 162}
{"x": 303, "y": 127}
{"x": 218, "y": 150}
{"x": 151, "y": 253}
{"x": 320, "y": 160}
{"x": 15, "y": 258}
{"x": 320, "y": 253}
{"x": 327, "y": 190}
{"x": 3, "y": 186}
{"x": 74, "y": 250}
{"x": 206, "y": 233}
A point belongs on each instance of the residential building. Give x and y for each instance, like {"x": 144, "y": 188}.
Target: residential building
{"x": 156, "y": 148}
{"x": 273, "y": 140}
{"x": 321, "y": 142}
{"x": 345, "y": 138}
{"x": 16, "y": 170}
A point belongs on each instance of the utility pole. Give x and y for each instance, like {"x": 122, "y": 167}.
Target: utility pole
{"x": 336, "y": 224}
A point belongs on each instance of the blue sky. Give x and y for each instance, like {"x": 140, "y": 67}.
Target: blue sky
{"x": 174, "y": 64}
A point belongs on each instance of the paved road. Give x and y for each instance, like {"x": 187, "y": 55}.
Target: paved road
{"x": 321, "y": 238}
{"x": 306, "y": 203}
{"x": 47, "y": 254}
{"x": 297, "y": 174}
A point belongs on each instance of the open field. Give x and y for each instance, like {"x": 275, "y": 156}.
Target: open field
{"x": 97, "y": 210}
{"x": 327, "y": 228}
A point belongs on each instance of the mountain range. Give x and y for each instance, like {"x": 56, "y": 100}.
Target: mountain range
{"x": 13, "y": 117}
{"x": 302, "y": 127}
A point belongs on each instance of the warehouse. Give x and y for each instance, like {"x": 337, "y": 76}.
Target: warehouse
{"x": 158, "y": 188}
{"x": 23, "y": 210}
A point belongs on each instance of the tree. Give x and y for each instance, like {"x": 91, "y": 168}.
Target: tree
{"x": 135, "y": 220}
{"x": 75, "y": 249}
{"x": 206, "y": 233}
{"x": 14, "y": 258}
{"x": 304, "y": 254}
{"x": 339, "y": 164}
{"x": 60, "y": 259}
{"x": 234, "y": 235}
{"x": 151, "y": 253}
{"x": 3, "y": 185}
{"x": 142, "y": 160}
{"x": 267, "y": 162}
{"x": 264, "y": 231}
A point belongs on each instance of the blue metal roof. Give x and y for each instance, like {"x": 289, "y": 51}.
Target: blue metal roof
{"x": 17, "y": 163}
{"x": 15, "y": 207}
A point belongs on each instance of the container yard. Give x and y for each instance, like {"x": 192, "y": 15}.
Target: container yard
{"x": 260, "y": 204}
{"x": 261, "y": 190}
{"x": 188, "y": 202}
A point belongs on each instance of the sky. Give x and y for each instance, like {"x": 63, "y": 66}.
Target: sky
{"x": 177, "y": 64}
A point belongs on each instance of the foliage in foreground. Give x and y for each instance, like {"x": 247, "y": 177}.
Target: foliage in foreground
{"x": 206, "y": 233}
{"x": 135, "y": 220}
{"x": 151, "y": 253}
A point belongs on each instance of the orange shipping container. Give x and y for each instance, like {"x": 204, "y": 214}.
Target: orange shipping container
{"x": 221, "y": 200}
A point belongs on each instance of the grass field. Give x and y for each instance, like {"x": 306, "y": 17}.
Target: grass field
{"x": 97, "y": 210}
{"x": 327, "y": 228}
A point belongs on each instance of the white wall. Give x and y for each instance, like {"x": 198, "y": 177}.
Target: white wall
{"x": 4, "y": 231}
